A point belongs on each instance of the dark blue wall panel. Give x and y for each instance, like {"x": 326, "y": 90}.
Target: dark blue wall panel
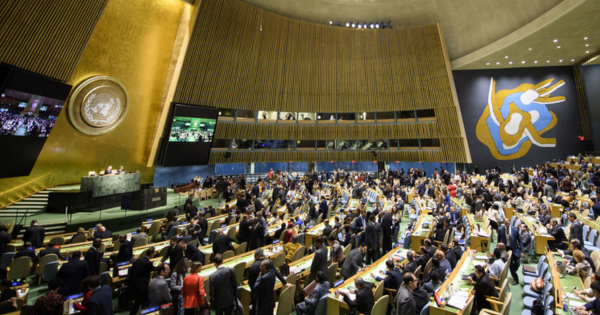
{"x": 230, "y": 169}
{"x": 165, "y": 176}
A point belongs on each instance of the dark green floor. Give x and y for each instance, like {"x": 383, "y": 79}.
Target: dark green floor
{"x": 517, "y": 290}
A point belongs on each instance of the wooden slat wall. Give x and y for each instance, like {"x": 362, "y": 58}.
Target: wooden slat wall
{"x": 47, "y": 36}
{"x": 242, "y": 57}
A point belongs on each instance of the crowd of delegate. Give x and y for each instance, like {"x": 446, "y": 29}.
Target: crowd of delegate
{"x": 370, "y": 231}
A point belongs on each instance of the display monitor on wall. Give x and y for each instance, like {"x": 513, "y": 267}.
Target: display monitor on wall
{"x": 188, "y": 138}
{"x": 29, "y": 107}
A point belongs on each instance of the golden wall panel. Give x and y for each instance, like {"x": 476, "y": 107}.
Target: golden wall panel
{"x": 132, "y": 42}
{"x": 47, "y": 36}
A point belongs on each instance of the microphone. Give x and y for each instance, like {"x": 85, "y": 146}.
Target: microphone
{"x": 567, "y": 296}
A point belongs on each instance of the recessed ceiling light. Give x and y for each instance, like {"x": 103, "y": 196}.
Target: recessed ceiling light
{"x": 535, "y": 61}
{"x": 572, "y": 60}
{"x": 585, "y": 38}
{"x": 556, "y": 40}
{"x": 530, "y": 48}
{"x": 523, "y": 61}
{"x": 506, "y": 57}
{"x": 587, "y": 45}
{"x": 560, "y": 60}
{"x": 510, "y": 63}
{"x": 488, "y": 63}
{"x": 548, "y": 61}
{"x": 587, "y": 52}
{"x": 330, "y": 22}
{"x": 557, "y": 47}
{"x": 497, "y": 63}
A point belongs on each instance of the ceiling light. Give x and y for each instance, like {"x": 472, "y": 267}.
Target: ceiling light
{"x": 523, "y": 61}
{"x": 347, "y": 24}
{"x": 548, "y": 61}
{"x": 497, "y": 63}
{"x": 557, "y": 47}
{"x": 510, "y": 63}
{"x": 560, "y": 60}
{"x": 556, "y": 40}
{"x": 377, "y": 25}
{"x": 353, "y": 25}
{"x": 572, "y": 60}
{"x": 587, "y": 45}
{"x": 535, "y": 61}
{"x": 488, "y": 63}
{"x": 359, "y": 26}
{"x": 330, "y": 22}
{"x": 585, "y": 38}
{"x": 506, "y": 57}
{"x": 530, "y": 48}
{"x": 587, "y": 52}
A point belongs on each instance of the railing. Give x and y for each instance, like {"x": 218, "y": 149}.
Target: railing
{"x": 23, "y": 191}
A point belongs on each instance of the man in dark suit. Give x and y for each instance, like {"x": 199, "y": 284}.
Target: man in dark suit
{"x": 354, "y": 261}
{"x": 449, "y": 255}
{"x": 454, "y": 216}
{"x": 102, "y": 232}
{"x": 423, "y": 258}
{"x": 576, "y": 228}
{"x": 172, "y": 214}
{"x": 222, "y": 243}
{"x": 328, "y": 228}
{"x": 393, "y": 277}
{"x": 484, "y": 287}
{"x": 140, "y": 278}
{"x": 100, "y": 303}
{"x": 72, "y": 274}
{"x": 125, "y": 251}
{"x": 26, "y": 251}
{"x": 49, "y": 250}
{"x": 319, "y": 262}
{"x": 386, "y": 231}
{"x": 174, "y": 253}
{"x": 265, "y": 303}
{"x": 35, "y": 235}
{"x": 93, "y": 257}
{"x": 411, "y": 265}
{"x": 371, "y": 238}
{"x": 257, "y": 238}
{"x": 309, "y": 305}
{"x": 192, "y": 252}
{"x": 455, "y": 247}
{"x": 5, "y": 239}
{"x": 244, "y": 230}
{"x": 510, "y": 236}
{"x": 364, "y": 296}
{"x": 255, "y": 190}
{"x": 223, "y": 288}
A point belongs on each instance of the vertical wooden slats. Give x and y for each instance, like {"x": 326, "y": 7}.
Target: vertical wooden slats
{"x": 47, "y": 36}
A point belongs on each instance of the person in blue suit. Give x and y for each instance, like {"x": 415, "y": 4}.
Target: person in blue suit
{"x": 309, "y": 306}
{"x": 509, "y": 235}
{"x": 100, "y": 303}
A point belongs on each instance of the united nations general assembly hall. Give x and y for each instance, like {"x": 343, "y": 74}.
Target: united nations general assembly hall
{"x": 286, "y": 157}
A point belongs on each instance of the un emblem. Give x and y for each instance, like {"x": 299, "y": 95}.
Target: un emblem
{"x": 98, "y": 105}
{"x": 516, "y": 119}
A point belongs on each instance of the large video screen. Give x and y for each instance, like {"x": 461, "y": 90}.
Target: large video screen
{"x": 192, "y": 129}
{"x": 29, "y": 107}
{"x": 189, "y": 137}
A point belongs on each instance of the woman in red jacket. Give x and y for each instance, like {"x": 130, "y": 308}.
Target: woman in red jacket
{"x": 193, "y": 290}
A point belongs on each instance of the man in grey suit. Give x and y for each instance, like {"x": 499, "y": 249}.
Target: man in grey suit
{"x": 159, "y": 289}
{"x": 576, "y": 228}
{"x": 405, "y": 302}
{"x": 353, "y": 262}
{"x": 139, "y": 234}
{"x": 223, "y": 287}
{"x": 319, "y": 262}
{"x": 309, "y": 305}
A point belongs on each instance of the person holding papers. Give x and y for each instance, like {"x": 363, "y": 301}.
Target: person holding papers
{"x": 364, "y": 296}
{"x": 484, "y": 286}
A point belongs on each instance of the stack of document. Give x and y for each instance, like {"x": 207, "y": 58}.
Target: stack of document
{"x": 458, "y": 301}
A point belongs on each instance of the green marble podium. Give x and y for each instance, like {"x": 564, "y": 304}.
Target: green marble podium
{"x": 111, "y": 185}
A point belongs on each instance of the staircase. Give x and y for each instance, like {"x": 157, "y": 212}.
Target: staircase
{"x": 29, "y": 206}
{"x": 49, "y": 228}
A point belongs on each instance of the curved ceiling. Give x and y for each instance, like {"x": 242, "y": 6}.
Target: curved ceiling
{"x": 468, "y": 25}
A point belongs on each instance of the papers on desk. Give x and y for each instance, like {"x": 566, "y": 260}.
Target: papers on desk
{"x": 479, "y": 263}
{"x": 458, "y": 301}
{"x": 481, "y": 257}
{"x": 483, "y": 234}
{"x": 350, "y": 295}
{"x": 575, "y": 304}
{"x": 296, "y": 269}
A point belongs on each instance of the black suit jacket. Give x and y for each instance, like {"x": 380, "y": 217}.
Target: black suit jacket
{"x": 35, "y": 235}
{"x": 25, "y": 252}
{"x": 92, "y": 257}
{"x": 194, "y": 254}
{"x": 265, "y": 303}
{"x": 257, "y": 238}
{"x": 223, "y": 288}
{"x": 222, "y": 244}
{"x": 364, "y": 299}
{"x": 411, "y": 266}
{"x": 483, "y": 287}
{"x": 72, "y": 274}
{"x": 244, "y": 231}
{"x": 50, "y": 250}
{"x": 139, "y": 275}
{"x": 5, "y": 239}
{"x": 172, "y": 215}
{"x": 319, "y": 262}
{"x": 174, "y": 253}
{"x": 100, "y": 303}
{"x": 422, "y": 261}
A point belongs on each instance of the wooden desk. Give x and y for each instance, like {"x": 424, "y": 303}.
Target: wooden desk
{"x": 465, "y": 266}
{"x": 541, "y": 233}
{"x": 420, "y": 234}
{"x": 459, "y": 204}
{"x": 479, "y": 243}
{"x": 311, "y": 234}
{"x": 336, "y": 304}
{"x": 562, "y": 286}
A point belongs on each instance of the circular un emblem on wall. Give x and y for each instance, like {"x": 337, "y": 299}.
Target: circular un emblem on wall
{"x": 98, "y": 105}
